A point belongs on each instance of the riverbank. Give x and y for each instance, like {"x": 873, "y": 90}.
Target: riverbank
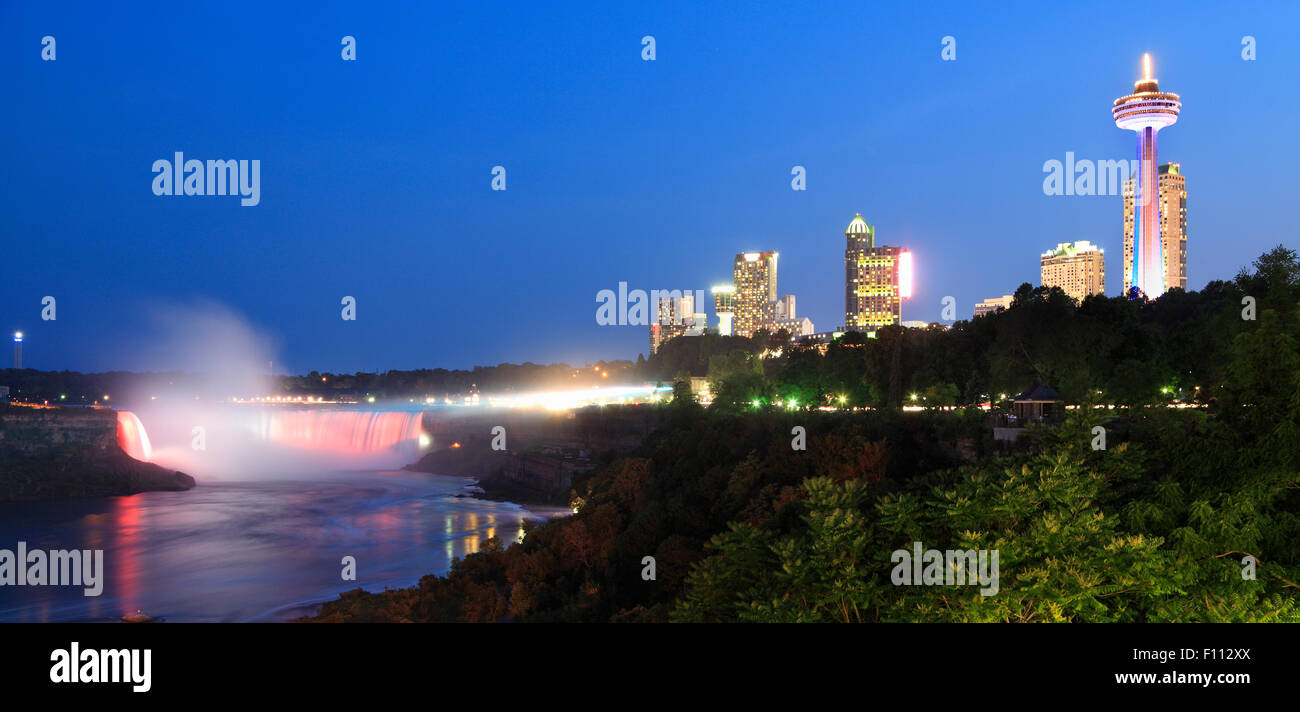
{"x": 532, "y": 458}
{"x": 522, "y": 478}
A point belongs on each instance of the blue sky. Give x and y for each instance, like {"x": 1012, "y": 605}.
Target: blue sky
{"x": 376, "y": 174}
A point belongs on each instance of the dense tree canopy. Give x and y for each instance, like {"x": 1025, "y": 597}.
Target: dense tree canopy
{"x": 1183, "y": 515}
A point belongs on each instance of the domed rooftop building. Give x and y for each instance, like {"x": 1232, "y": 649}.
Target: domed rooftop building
{"x": 858, "y": 226}
{"x": 875, "y": 280}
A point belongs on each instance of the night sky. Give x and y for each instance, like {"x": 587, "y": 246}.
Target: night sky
{"x": 375, "y": 174}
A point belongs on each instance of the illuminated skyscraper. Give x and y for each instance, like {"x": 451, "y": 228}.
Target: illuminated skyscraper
{"x": 18, "y": 349}
{"x": 1173, "y": 227}
{"x": 1146, "y": 111}
{"x": 674, "y": 316}
{"x": 1078, "y": 268}
{"x": 876, "y": 280}
{"x": 724, "y": 307}
{"x": 755, "y": 292}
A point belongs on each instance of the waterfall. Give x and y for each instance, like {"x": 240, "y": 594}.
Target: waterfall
{"x": 342, "y": 431}
{"x": 228, "y": 441}
{"x": 131, "y": 436}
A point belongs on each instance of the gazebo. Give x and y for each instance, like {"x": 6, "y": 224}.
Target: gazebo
{"x": 1037, "y": 404}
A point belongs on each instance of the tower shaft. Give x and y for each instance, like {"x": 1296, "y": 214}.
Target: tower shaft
{"x": 1148, "y": 253}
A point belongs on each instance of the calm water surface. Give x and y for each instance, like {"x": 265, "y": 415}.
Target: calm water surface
{"x": 256, "y": 550}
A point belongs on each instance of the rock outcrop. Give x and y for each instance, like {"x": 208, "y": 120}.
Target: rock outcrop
{"x": 72, "y": 452}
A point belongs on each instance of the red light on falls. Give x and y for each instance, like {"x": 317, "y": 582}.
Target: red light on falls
{"x": 341, "y": 431}
{"x": 131, "y": 436}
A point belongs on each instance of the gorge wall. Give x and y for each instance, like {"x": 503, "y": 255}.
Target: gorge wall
{"x": 72, "y": 452}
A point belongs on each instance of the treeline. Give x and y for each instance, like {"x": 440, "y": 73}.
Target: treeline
{"x": 1107, "y": 350}
{"x": 441, "y": 382}
{"x": 71, "y": 387}
{"x": 1178, "y": 515}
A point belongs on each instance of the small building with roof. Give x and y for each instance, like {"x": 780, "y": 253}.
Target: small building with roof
{"x": 1037, "y": 404}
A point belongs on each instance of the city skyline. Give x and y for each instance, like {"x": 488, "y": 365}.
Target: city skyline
{"x": 516, "y": 313}
{"x": 648, "y": 157}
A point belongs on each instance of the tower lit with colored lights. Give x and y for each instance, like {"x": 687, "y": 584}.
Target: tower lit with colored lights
{"x": 1146, "y": 111}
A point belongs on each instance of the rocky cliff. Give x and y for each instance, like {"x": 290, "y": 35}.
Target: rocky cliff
{"x": 72, "y": 452}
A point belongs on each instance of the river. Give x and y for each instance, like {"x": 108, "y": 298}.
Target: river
{"x": 259, "y": 550}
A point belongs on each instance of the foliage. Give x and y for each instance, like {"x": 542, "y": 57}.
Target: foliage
{"x": 1157, "y": 526}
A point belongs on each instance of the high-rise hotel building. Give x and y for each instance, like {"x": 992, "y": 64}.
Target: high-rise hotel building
{"x": 674, "y": 316}
{"x": 1173, "y": 227}
{"x": 994, "y": 305}
{"x": 1078, "y": 268}
{"x": 755, "y": 292}
{"x": 876, "y": 280}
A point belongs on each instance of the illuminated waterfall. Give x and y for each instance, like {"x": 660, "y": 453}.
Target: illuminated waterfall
{"x": 131, "y": 436}
{"x": 230, "y": 441}
{"x": 342, "y": 431}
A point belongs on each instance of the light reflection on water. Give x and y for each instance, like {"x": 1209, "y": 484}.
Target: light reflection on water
{"x": 264, "y": 550}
